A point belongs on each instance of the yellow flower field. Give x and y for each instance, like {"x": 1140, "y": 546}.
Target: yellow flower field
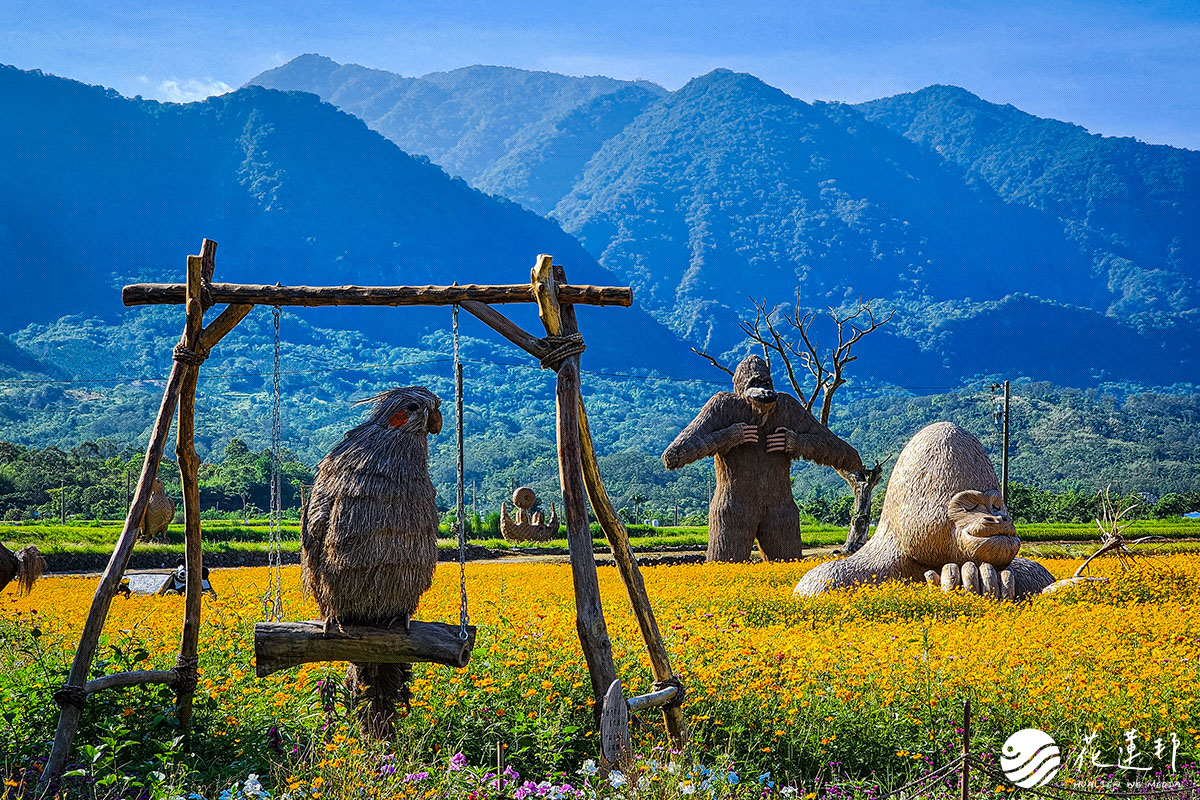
{"x": 855, "y": 683}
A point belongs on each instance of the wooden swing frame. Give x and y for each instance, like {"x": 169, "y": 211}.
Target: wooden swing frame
{"x": 281, "y": 645}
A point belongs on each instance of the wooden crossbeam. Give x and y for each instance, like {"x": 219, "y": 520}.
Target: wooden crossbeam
{"x": 142, "y": 294}
{"x": 137, "y": 678}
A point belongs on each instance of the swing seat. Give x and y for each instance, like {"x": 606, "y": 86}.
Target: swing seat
{"x": 279, "y": 645}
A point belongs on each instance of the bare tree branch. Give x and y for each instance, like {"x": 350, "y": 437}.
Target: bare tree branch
{"x": 713, "y": 361}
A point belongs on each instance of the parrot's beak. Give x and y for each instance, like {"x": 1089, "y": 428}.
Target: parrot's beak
{"x": 434, "y": 423}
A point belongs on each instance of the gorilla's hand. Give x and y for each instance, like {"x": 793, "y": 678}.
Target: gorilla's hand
{"x": 974, "y": 578}
{"x": 783, "y": 441}
{"x": 749, "y": 433}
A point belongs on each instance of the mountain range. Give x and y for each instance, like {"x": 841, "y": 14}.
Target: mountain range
{"x": 969, "y": 217}
{"x": 103, "y": 190}
{"x": 1008, "y": 245}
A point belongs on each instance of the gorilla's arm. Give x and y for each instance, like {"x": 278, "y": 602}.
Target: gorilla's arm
{"x": 803, "y": 437}
{"x": 715, "y": 429}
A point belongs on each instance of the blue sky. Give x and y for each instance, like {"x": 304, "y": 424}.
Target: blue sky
{"x": 1118, "y": 68}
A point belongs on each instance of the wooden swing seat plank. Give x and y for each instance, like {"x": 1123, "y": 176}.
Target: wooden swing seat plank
{"x": 279, "y": 645}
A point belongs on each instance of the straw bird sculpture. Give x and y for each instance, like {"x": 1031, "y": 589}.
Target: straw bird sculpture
{"x": 369, "y": 538}
{"x": 160, "y": 513}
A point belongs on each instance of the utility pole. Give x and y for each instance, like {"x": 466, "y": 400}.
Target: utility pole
{"x": 127, "y": 497}
{"x": 1004, "y": 460}
{"x": 1001, "y": 417}
{"x": 676, "y": 512}
{"x": 62, "y": 502}
{"x": 474, "y": 503}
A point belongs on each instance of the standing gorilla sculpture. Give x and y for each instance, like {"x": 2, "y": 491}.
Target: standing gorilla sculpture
{"x": 753, "y": 435}
{"x": 943, "y": 522}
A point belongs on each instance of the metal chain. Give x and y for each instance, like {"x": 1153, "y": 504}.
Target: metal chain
{"x": 463, "y": 618}
{"x": 273, "y": 601}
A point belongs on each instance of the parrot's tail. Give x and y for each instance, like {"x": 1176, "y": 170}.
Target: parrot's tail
{"x": 375, "y": 691}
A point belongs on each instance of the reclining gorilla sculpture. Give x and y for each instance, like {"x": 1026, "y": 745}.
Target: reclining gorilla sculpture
{"x": 753, "y": 435}
{"x": 943, "y": 522}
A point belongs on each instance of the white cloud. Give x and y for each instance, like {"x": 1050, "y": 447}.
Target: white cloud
{"x": 190, "y": 90}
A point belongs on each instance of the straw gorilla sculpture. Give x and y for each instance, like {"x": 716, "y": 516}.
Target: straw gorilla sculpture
{"x": 369, "y": 537}
{"x": 943, "y": 522}
{"x": 753, "y": 435}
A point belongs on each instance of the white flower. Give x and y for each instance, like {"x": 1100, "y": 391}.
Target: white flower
{"x": 788, "y": 791}
{"x": 687, "y": 788}
{"x": 589, "y": 767}
{"x": 617, "y": 779}
{"x": 643, "y": 783}
{"x": 672, "y": 767}
{"x": 252, "y": 786}
{"x": 652, "y": 766}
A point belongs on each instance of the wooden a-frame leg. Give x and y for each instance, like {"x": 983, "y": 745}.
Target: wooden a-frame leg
{"x": 73, "y": 694}
{"x": 589, "y": 613}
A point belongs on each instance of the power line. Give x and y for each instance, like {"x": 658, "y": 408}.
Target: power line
{"x": 441, "y": 360}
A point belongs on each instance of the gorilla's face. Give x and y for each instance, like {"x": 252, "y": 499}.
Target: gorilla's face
{"x": 752, "y": 381}
{"x": 983, "y": 529}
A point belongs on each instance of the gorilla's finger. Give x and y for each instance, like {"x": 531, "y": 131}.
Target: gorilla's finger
{"x": 1008, "y": 585}
{"x": 989, "y": 581}
{"x": 932, "y": 578}
{"x": 970, "y": 577}
{"x": 950, "y": 577}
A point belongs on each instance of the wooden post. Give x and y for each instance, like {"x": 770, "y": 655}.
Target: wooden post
{"x": 964, "y": 781}
{"x": 1004, "y": 460}
{"x": 626, "y": 561}
{"x": 589, "y": 614}
{"x": 189, "y": 472}
{"x": 614, "y": 727}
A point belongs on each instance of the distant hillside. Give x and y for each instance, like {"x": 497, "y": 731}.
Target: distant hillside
{"x": 545, "y": 165}
{"x": 1136, "y": 440}
{"x": 947, "y": 207}
{"x": 730, "y": 188}
{"x": 1133, "y": 207}
{"x": 101, "y": 190}
{"x": 465, "y": 120}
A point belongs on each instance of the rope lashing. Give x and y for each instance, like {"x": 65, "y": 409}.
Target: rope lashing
{"x": 206, "y": 295}
{"x": 185, "y": 355}
{"x": 187, "y": 674}
{"x": 563, "y": 348}
{"x": 671, "y": 682}
{"x": 67, "y": 695}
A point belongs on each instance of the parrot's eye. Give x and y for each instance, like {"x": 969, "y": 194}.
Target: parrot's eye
{"x": 411, "y": 407}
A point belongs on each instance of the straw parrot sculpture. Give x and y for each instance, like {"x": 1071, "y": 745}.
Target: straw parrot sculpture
{"x": 369, "y": 538}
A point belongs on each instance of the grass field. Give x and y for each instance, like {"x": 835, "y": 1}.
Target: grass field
{"x": 227, "y": 536}
{"x": 844, "y": 695}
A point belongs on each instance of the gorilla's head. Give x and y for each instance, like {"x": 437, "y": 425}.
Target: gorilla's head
{"x": 752, "y": 380}
{"x": 983, "y": 528}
